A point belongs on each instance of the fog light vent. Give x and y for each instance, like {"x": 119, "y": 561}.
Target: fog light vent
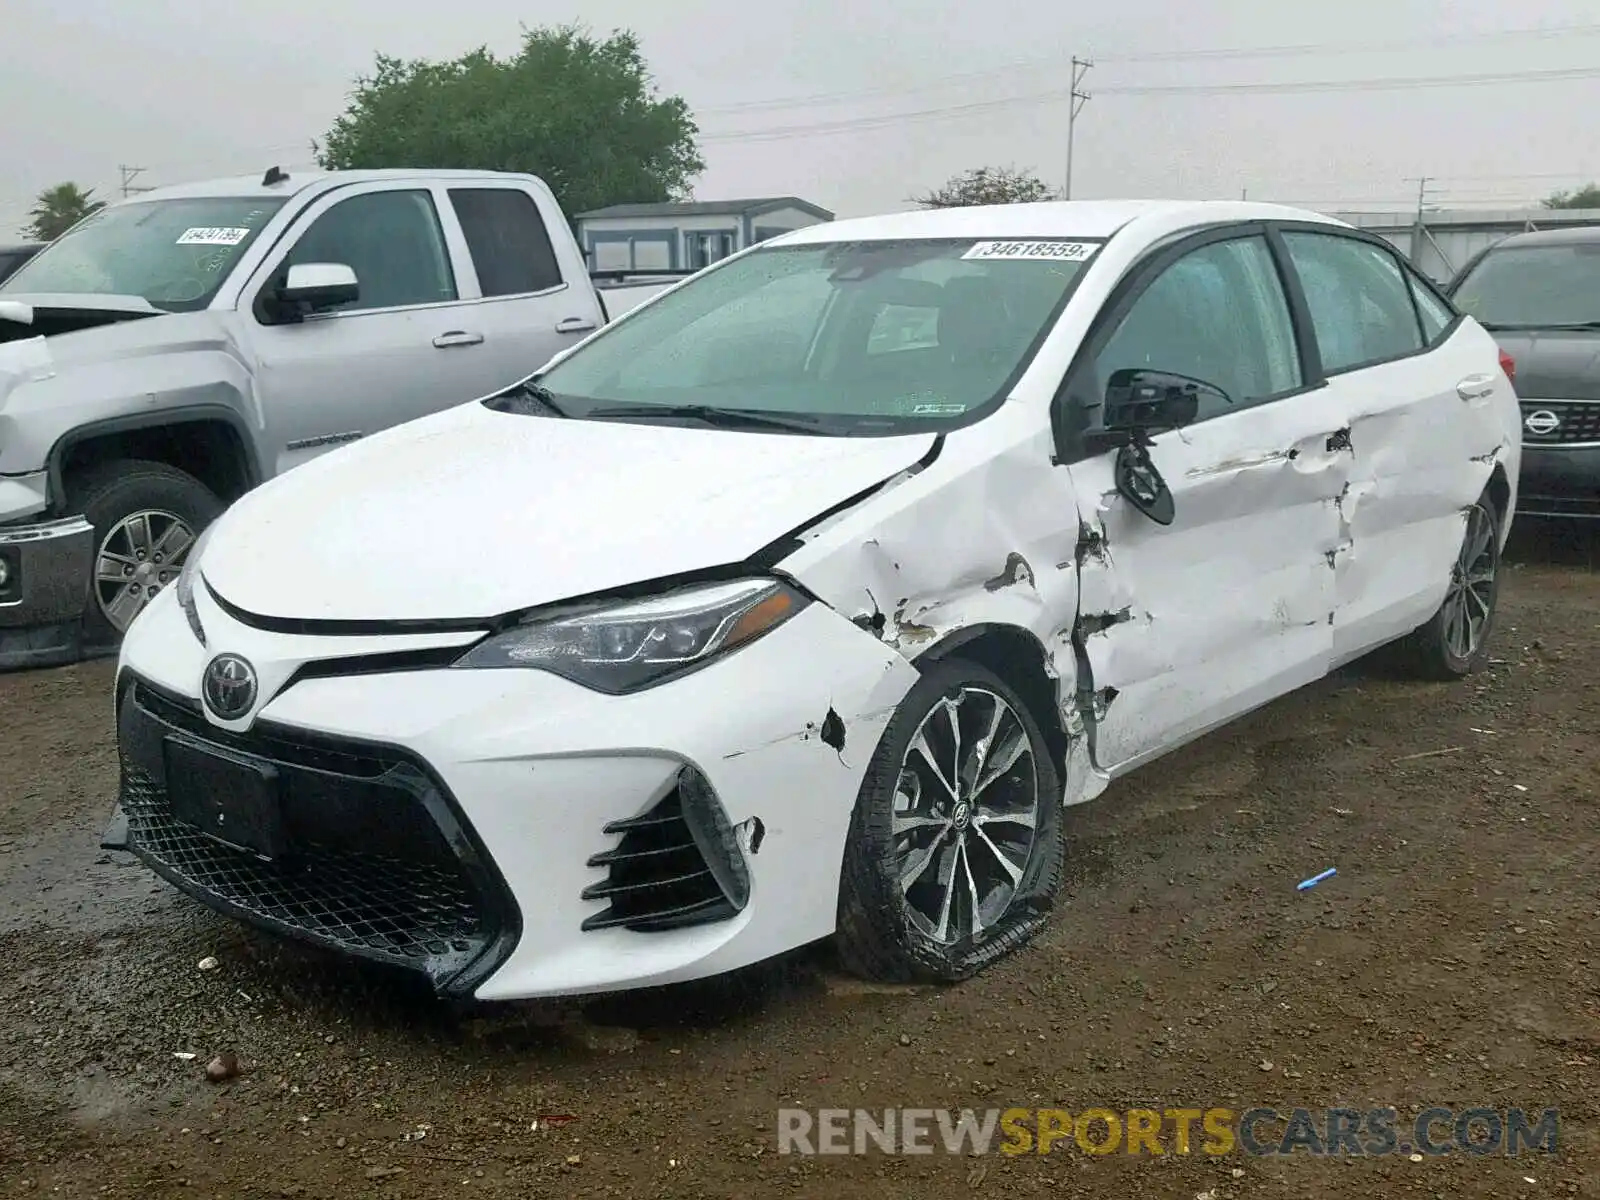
{"x": 678, "y": 864}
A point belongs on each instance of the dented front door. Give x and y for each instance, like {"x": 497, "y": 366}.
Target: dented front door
{"x": 1184, "y": 626}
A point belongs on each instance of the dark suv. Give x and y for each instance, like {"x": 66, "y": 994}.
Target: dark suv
{"x": 1539, "y": 295}
{"x": 12, "y": 257}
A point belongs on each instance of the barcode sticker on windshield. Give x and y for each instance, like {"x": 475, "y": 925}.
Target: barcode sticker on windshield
{"x": 212, "y": 236}
{"x": 1042, "y": 251}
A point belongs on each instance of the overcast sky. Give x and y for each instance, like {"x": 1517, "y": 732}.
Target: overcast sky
{"x": 800, "y": 98}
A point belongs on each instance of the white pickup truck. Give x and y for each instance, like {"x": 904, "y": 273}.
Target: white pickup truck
{"x": 175, "y": 349}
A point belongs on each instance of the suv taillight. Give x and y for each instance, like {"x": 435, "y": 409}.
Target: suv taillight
{"x": 1509, "y": 366}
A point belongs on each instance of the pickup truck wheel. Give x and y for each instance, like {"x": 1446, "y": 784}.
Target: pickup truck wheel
{"x": 955, "y": 849}
{"x": 146, "y": 516}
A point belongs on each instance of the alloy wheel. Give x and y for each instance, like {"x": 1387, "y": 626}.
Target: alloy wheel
{"x": 1470, "y": 600}
{"x": 966, "y": 813}
{"x": 140, "y": 555}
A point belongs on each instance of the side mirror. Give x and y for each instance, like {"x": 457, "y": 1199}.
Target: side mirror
{"x": 1138, "y": 403}
{"x": 314, "y": 287}
{"x": 1153, "y": 401}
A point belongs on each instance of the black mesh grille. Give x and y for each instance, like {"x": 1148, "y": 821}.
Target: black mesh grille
{"x": 375, "y": 861}
{"x": 1579, "y": 422}
{"x": 658, "y": 875}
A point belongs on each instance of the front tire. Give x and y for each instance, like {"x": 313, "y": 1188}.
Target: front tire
{"x": 955, "y": 849}
{"x": 1455, "y": 643}
{"x": 146, "y": 516}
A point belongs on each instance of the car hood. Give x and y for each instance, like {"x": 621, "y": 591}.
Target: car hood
{"x": 473, "y": 513}
{"x": 1557, "y": 364}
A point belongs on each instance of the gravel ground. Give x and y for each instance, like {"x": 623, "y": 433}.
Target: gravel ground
{"x": 1451, "y": 961}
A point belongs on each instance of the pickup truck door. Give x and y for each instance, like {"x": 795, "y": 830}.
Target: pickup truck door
{"x": 402, "y": 349}
{"x": 532, "y": 295}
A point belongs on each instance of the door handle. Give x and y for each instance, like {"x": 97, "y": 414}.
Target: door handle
{"x": 575, "y": 325}
{"x": 457, "y": 337}
{"x": 1475, "y": 387}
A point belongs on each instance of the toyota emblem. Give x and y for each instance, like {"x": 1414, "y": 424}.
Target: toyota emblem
{"x": 1541, "y": 423}
{"x": 229, "y": 686}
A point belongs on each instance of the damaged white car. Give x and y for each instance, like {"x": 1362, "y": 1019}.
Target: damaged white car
{"x": 798, "y": 602}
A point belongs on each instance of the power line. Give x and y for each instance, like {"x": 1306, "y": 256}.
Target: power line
{"x": 1053, "y": 95}
{"x": 1308, "y": 49}
{"x": 778, "y": 133}
{"x": 1380, "y": 46}
{"x": 1390, "y": 83}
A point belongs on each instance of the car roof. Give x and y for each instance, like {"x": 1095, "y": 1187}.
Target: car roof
{"x": 252, "y": 186}
{"x": 1572, "y": 235}
{"x": 1050, "y": 218}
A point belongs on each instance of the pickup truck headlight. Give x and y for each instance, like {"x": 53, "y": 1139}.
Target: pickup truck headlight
{"x": 630, "y": 645}
{"x": 186, "y": 581}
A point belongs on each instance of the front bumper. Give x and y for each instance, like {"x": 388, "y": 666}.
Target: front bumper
{"x": 511, "y": 834}
{"x": 44, "y": 582}
{"x": 1560, "y": 481}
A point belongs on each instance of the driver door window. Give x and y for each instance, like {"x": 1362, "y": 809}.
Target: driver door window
{"x": 1218, "y": 315}
{"x": 391, "y": 240}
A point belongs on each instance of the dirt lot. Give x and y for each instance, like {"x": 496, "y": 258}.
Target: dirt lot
{"x": 1451, "y": 961}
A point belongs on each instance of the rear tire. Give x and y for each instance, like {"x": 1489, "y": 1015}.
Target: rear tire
{"x": 146, "y": 516}
{"x": 963, "y": 799}
{"x": 1455, "y": 642}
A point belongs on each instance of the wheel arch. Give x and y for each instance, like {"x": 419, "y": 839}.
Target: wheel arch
{"x": 208, "y": 441}
{"x": 1017, "y": 656}
{"x": 1498, "y": 489}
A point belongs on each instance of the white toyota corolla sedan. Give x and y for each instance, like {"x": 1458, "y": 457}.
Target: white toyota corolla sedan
{"x": 800, "y": 600}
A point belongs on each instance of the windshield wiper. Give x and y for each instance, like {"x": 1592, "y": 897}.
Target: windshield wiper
{"x": 527, "y": 398}
{"x": 720, "y": 418}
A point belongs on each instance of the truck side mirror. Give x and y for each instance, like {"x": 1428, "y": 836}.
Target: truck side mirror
{"x": 316, "y": 287}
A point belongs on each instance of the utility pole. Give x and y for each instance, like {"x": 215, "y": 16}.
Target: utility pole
{"x": 1419, "y": 231}
{"x": 129, "y": 174}
{"x": 1076, "y": 100}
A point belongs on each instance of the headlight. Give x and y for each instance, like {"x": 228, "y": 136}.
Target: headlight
{"x": 631, "y": 645}
{"x": 186, "y": 581}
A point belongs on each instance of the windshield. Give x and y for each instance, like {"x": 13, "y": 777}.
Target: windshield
{"x": 174, "y": 253}
{"x": 1537, "y": 287}
{"x": 839, "y": 337}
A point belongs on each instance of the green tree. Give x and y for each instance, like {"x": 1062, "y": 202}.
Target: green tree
{"x": 57, "y": 209}
{"x": 988, "y": 185}
{"x": 580, "y": 113}
{"x": 1588, "y": 196}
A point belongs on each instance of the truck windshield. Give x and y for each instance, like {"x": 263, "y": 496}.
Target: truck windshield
{"x": 838, "y": 338}
{"x": 173, "y": 253}
{"x": 1537, "y": 287}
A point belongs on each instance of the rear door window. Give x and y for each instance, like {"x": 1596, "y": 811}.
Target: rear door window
{"x": 1435, "y": 313}
{"x": 1361, "y": 306}
{"x": 510, "y": 246}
